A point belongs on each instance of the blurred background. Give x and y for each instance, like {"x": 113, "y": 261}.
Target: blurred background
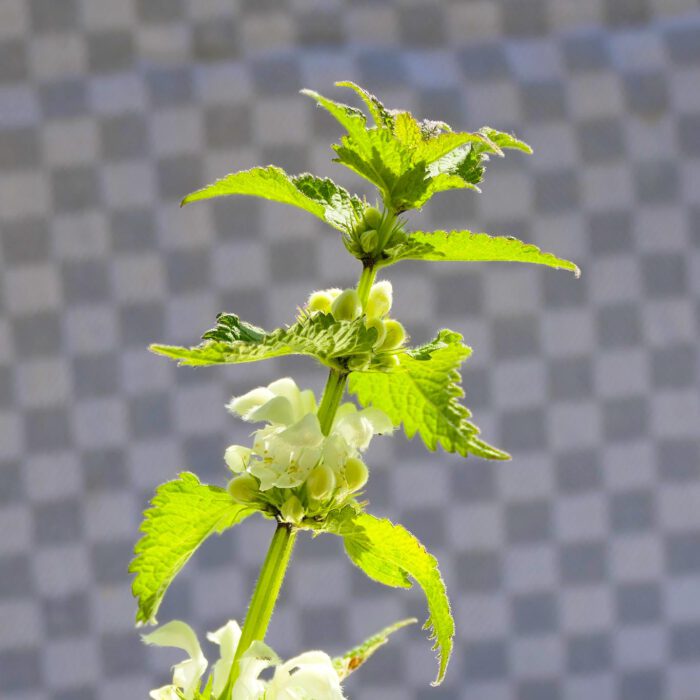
{"x": 574, "y": 569}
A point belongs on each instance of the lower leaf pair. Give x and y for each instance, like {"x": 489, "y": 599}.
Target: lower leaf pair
{"x": 185, "y": 512}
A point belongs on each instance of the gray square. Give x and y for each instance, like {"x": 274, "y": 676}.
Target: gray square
{"x": 227, "y": 125}
{"x": 642, "y": 685}
{"x": 632, "y": 511}
{"x": 25, "y": 241}
{"x": 421, "y": 26}
{"x": 523, "y": 430}
{"x": 124, "y": 136}
{"x": 611, "y": 232}
{"x": 291, "y": 260}
{"x": 664, "y": 275}
{"x": 47, "y": 429}
{"x": 75, "y": 188}
{"x": 19, "y": 148}
{"x": 110, "y": 51}
{"x": 486, "y": 660}
{"x": 322, "y": 28}
{"x": 626, "y": 12}
{"x": 583, "y": 563}
{"x": 601, "y": 140}
{"x": 178, "y": 176}
{"x": 535, "y": 614}
{"x": 67, "y": 616}
{"x": 20, "y": 670}
{"x": 639, "y": 603}
{"x": 625, "y": 418}
{"x": 528, "y": 522}
{"x": 544, "y": 100}
{"x": 460, "y": 294}
{"x": 515, "y": 337}
{"x": 524, "y": 17}
{"x": 619, "y": 326}
{"x": 57, "y": 522}
{"x": 570, "y": 378}
{"x": 51, "y": 16}
{"x": 589, "y": 654}
{"x": 13, "y": 61}
{"x": 556, "y": 191}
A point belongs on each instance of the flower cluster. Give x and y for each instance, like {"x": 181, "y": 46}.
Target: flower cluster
{"x": 345, "y": 305}
{"x": 293, "y": 470}
{"x": 309, "y": 676}
{"x": 373, "y": 233}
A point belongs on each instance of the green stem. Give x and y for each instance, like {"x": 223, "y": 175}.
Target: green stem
{"x": 332, "y": 395}
{"x": 365, "y": 284}
{"x": 264, "y": 596}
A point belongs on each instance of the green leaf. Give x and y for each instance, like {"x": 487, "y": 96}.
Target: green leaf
{"x": 183, "y": 513}
{"x": 423, "y": 394}
{"x": 353, "y": 659}
{"x": 391, "y": 555}
{"x": 409, "y": 160}
{"x": 319, "y": 196}
{"x": 319, "y": 336}
{"x": 465, "y": 246}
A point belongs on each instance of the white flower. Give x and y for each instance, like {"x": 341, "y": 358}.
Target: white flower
{"x": 187, "y": 674}
{"x": 292, "y": 443}
{"x": 309, "y": 676}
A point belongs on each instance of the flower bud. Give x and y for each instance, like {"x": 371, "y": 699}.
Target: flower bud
{"x": 377, "y": 324}
{"x": 380, "y": 300}
{"x": 236, "y": 457}
{"x": 373, "y": 218}
{"x": 347, "y": 306}
{"x": 360, "y": 362}
{"x": 368, "y": 240}
{"x": 395, "y": 335}
{"x": 292, "y": 511}
{"x": 244, "y": 488}
{"x": 320, "y": 482}
{"x": 388, "y": 361}
{"x": 320, "y": 301}
{"x": 356, "y": 473}
{"x": 398, "y": 235}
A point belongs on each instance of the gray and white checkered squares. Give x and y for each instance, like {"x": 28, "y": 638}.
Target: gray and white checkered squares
{"x": 574, "y": 570}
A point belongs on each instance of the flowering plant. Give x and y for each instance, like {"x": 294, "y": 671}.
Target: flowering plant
{"x": 304, "y": 468}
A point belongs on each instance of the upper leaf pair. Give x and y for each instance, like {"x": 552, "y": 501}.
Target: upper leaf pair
{"x": 410, "y": 160}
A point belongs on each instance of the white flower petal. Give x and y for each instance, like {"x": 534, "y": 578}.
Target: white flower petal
{"x": 176, "y": 634}
{"x": 227, "y": 637}
{"x": 309, "y": 675}
{"x": 380, "y": 422}
{"x": 167, "y": 692}
{"x": 277, "y": 410}
{"x": 256, "y": 659}
{"x": 304, "y": 433}
{"x": 287, "y": 388}
{"x": 236, "y": 457}
{"x": 243, "y": 405}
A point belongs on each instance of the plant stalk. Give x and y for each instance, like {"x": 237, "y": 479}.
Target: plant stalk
{"x": 332, "y": 396}
{"x": 365, "y": 284}
{"x": 264, "y": 597}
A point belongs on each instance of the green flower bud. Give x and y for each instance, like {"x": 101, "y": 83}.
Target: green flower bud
{"x": 380, "y": 300}
{"x": 378, "y": 324}
{"x": 356, "y": 473}
{"x": 395, "y": 335}
{"x": 373, "y": 218}
{"x": 398, "y": 236}
{"x": 368, "y": 240}
{"x": 359, "y": 362}
{"x": 388, "y": 362}
{"x": 244, "y": 488}
{"x": 292, "y": 511}
{"x": 320, "y": 483}
{"x": 320, "y": 301}
{"x": 347, "y": 306}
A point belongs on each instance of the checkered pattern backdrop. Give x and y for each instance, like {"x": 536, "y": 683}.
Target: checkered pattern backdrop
{"x": 575, "y": 569}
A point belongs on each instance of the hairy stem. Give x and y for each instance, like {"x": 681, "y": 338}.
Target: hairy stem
{"x": 264, "y": 596}
{"x": 365, "y": 284}
{"x": 332, "y": 395}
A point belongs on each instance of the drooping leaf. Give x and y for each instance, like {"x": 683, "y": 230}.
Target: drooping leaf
{"x": 465, "y": 246}
{"x": 424, "y": 395}
{"x": 391, "y": 555}
{"x": 353, "y": 659}
{"x": 183, "y": 513}
{"x": 319, "y": 196}
{"x": 319, "y": 336}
